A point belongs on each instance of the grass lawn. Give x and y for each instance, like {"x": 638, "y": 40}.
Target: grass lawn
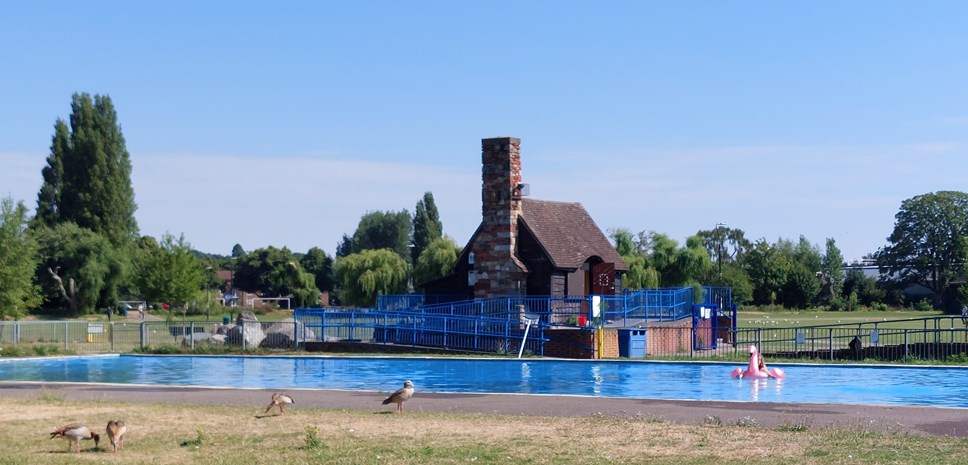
{"x": 181, "y": 434}
{"x": 792, "y": 318}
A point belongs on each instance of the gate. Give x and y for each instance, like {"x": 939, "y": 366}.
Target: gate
{"x": 705, "y": 326}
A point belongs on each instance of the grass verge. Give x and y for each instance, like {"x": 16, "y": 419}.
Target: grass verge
{"x": 182, "y": 434}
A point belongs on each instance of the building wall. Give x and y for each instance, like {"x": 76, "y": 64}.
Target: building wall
{"x": 668, "y": 339}
{"x": 581, "y": 343}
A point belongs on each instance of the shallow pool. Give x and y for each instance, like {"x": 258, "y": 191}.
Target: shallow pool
{"x": 938, "y": 386}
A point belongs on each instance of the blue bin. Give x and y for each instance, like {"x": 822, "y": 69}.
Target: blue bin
{"x": 631, "y": 342}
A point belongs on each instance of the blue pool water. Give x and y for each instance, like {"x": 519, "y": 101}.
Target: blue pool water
{"x": 937, "y": 386}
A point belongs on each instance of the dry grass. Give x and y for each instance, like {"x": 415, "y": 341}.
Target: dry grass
{"x": 182, "y": 434}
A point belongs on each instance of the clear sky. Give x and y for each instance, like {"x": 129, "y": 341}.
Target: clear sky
{"x": 282, "y": 123}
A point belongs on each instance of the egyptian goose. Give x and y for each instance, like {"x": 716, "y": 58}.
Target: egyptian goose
{"x": 279, "y": 400}
{"x": 400, "y": 395}
{"x": 74, "y": 433}
{"x": 116, "y": 430}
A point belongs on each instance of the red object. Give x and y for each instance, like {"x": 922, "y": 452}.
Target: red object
{"x": 165, "y": 306}
{"x": 582, "y": 320}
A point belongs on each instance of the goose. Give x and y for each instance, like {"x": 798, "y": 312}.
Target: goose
{"x": 400, "y": 395}
{"x": 74, "y": 433}
{"x": 279, "y": 399}
{"x": 116, "y": 430}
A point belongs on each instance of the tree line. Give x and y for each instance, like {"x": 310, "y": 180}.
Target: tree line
{"x": 82, "y": 251}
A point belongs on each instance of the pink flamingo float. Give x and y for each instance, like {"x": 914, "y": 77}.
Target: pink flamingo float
{"x": 754, "y": 371}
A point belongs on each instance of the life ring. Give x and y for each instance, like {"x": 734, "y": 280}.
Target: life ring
{"x": 753, "y": 371}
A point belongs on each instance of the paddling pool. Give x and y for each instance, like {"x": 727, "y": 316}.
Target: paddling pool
{"x": 875, "y": 385}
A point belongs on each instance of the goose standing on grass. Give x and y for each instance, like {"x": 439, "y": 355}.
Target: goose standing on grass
{"x": 401, "y": 395}
{"x": 279, "y": 400}
{"x": 74, "y": 433}
{"x": 116, "y": 430}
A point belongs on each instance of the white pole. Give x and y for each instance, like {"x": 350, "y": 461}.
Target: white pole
{"x": 525, "y": 338}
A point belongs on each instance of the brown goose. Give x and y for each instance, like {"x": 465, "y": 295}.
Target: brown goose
{"x": 280, "y": 400}
{"x": 74, "y": 433}
{"x": 400, "y": 395}
{"x": 116, "y": 430}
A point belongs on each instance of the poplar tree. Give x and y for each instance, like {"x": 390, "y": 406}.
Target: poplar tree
{"x": 86, "y": 201}
{"x": 426, "y": 225}
{"x": 87, "y": 180}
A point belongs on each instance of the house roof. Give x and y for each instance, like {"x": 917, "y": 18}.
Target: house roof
{"x": 567, "y": 233}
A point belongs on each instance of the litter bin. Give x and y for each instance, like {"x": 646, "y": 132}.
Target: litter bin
{"x": 226, "y": 320}
{"x": 631, "y": 342}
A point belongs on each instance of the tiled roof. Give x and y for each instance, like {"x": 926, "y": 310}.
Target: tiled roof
{"x": 567, "y": 233}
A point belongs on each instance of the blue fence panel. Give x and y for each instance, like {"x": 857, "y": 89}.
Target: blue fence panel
{"x": 460, "y": 332}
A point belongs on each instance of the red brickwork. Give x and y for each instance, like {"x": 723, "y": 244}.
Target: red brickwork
{"x": 498, "y": 270}
{"x": 669, "y": 339}
{"x": 580, "y": 343}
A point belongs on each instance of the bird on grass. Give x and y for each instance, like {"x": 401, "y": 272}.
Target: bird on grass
{"x": 400, "y": 395}
{"x": 74, "y": 433}
{"x": 116, "y": 430}
{"x": 279, "y": 400}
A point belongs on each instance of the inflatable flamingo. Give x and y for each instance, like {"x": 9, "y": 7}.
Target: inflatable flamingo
{"x": 753, "y": 371}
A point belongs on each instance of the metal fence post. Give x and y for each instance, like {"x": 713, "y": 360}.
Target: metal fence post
{"x": 830, "y": 342}
{"x": 142, "y": 335}
{"x": 111, "y": 335}
{"x": 191, "y": 329}
{"x": 66, "y": 334}
{"x": 16, "y": 332}
{"x": 242, "y": 333}
{"x": 906, "y": 343}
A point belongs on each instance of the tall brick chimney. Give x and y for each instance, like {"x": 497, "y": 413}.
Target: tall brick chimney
{"x": 499, "y": 271}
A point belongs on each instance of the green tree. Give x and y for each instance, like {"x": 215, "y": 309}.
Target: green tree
{"x": 380, "y": 230}
{"x": 861, "y": 288}
{"x": 87, "y": 180}
{"x": 168, "y": 271}
{"x": 832, "y": 272}
{"x": 238, "y": 251}
{"x": 725, "y": 246}
{"x": 929, "y": 244}
{"x": 79, "y": 266}
{"x": 364, "y": 275}
{"x": 320, "y": 264}
{"x": 768, "y": 270}
{"x": 437, "y": 260}
{"x": 275, "y": 272}
{"x": 640, "y": 275}
{"x": 675, "y": 266}
{"x": 426, "y": 225}
{"x": 19, "y": 258}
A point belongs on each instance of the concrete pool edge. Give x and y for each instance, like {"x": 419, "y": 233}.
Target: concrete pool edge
{"x": 918, "y": 420}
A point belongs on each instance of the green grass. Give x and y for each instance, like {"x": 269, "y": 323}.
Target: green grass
{"x": 166, "y": 434}
{"x": 755, "y": 318}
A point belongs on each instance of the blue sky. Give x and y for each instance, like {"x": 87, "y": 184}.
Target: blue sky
{"x": 265, "y": 124}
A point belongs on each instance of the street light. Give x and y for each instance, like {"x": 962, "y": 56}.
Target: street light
{"x": 719, "y": 254}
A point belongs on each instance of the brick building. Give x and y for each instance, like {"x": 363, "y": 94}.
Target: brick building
{"x": 525, "y": 246}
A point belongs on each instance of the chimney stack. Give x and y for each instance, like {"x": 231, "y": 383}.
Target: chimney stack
{"x": 500, "y": 272}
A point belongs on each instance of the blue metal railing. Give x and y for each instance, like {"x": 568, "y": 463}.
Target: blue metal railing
{"x": 624, "y": 310}
{"x": 420, "y": 329}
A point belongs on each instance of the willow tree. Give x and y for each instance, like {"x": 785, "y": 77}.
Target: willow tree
{"x": 362, "y": 276}
{"x": 436, "y": 260}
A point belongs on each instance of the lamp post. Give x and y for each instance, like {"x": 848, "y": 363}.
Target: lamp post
{"x": 719, "y": 254}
